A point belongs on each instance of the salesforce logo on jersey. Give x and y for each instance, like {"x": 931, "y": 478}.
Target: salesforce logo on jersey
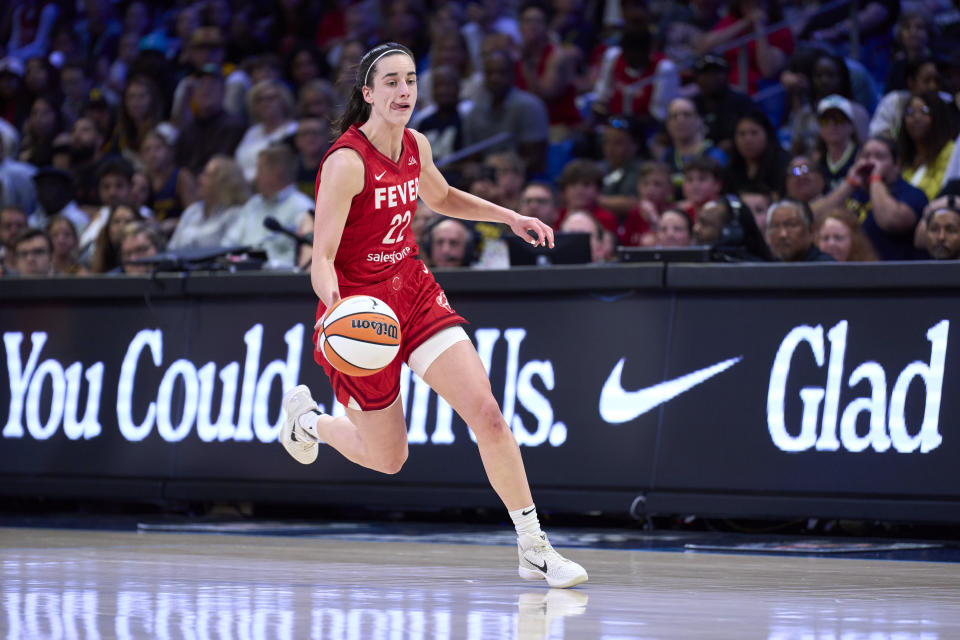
{"x": 48, "y": 394}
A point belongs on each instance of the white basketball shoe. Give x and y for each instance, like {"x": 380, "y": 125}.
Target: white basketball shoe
{"x": 299, "y": 442}
{"x": 539, "y": 561}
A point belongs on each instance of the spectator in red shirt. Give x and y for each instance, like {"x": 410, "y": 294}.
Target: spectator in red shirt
{"x": 766, "y": 55}
{"x": 546, "y": 70}
{"x": 580, "y": 184}
{"x": 636, "y": 80}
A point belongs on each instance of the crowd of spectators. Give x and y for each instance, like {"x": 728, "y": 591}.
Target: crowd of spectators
{"x": 133, "y": 128}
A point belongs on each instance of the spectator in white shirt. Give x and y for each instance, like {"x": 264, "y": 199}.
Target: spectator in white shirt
{"x": 272, "y": 108}
{"x": 277, "y": 197}
{"x": 223, "y": 192}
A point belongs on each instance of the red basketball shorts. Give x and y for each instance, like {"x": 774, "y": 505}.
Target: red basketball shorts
{"x": 423, "y": 310}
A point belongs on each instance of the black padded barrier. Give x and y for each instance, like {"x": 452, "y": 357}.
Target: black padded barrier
{"x": 720, "y": 390}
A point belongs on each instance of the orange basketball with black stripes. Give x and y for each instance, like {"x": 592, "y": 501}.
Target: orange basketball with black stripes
{"x": 360, "y": 335}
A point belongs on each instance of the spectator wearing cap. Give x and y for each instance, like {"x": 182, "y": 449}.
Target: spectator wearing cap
{"x": 212, "y": 129}
{"x": 837, "y": 139}
{"x": 922, "y": 76}
{"x": 55, "y": 195}
{"x": 172, "y": 188}
{"x": 271, "y": 108}
{"x": 716, "y": 101}
{"x": 811, "y": 76}
{"x": 927, "y": 142}
{"x": 621, "y": 167}
{"x": 688, "y": 139}
{"x": 206, "y": 47}
{"x": 14, "y": 98}
{"x": 635, "y": 79}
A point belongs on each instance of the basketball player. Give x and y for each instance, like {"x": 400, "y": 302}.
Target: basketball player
{"x": 366, "y": 194}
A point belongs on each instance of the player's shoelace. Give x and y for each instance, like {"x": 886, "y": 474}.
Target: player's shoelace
{"x": 544, "y": 547}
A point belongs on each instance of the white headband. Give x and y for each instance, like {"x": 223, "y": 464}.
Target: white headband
{"x": 377, "y": 59}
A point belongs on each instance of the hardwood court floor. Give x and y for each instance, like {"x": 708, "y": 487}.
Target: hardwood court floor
{"x": 95, "y": 584}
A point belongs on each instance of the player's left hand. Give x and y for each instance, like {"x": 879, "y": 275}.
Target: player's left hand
{"x": 526, "y": 227}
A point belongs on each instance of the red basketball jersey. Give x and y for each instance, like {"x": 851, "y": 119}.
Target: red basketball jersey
{"x": 377, "y": 236}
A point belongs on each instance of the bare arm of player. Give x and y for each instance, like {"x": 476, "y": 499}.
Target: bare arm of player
{"x": 442, "y": 198}
{"x": 341, "y": 178}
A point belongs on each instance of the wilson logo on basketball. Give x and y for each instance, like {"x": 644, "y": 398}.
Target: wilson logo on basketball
{"x": 381, "y": 328}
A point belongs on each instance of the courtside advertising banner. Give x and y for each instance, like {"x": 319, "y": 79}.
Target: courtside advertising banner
{"x": 730, "y": 392}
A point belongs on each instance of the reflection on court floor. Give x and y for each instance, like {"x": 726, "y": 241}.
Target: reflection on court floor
{"x": 77, "y": 584}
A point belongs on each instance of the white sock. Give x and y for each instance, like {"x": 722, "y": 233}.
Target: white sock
{"x": 525, "y": 521}
{"x": 308, "y": 422}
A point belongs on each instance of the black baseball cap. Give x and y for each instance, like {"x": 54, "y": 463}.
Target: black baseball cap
{"x": 711, "y": 61}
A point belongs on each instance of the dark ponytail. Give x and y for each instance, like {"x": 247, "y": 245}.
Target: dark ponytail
{"x": 357, "y": 109}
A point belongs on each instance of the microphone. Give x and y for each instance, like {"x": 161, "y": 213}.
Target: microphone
{"x": 273, "y": 224}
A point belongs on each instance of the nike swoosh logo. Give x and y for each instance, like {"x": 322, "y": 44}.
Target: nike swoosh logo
{"x": 379, "y": 176}
{"x": 526, "y": 513}
{"x": 618, "y": 405}
{"x": 534, "y": 564}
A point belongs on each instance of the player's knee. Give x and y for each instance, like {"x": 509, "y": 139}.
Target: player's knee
{"x": 489, "y": 420}
{"x": 392, "y": 463}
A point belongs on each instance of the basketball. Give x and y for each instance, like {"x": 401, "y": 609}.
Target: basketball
{"x": 360, "y": 335}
